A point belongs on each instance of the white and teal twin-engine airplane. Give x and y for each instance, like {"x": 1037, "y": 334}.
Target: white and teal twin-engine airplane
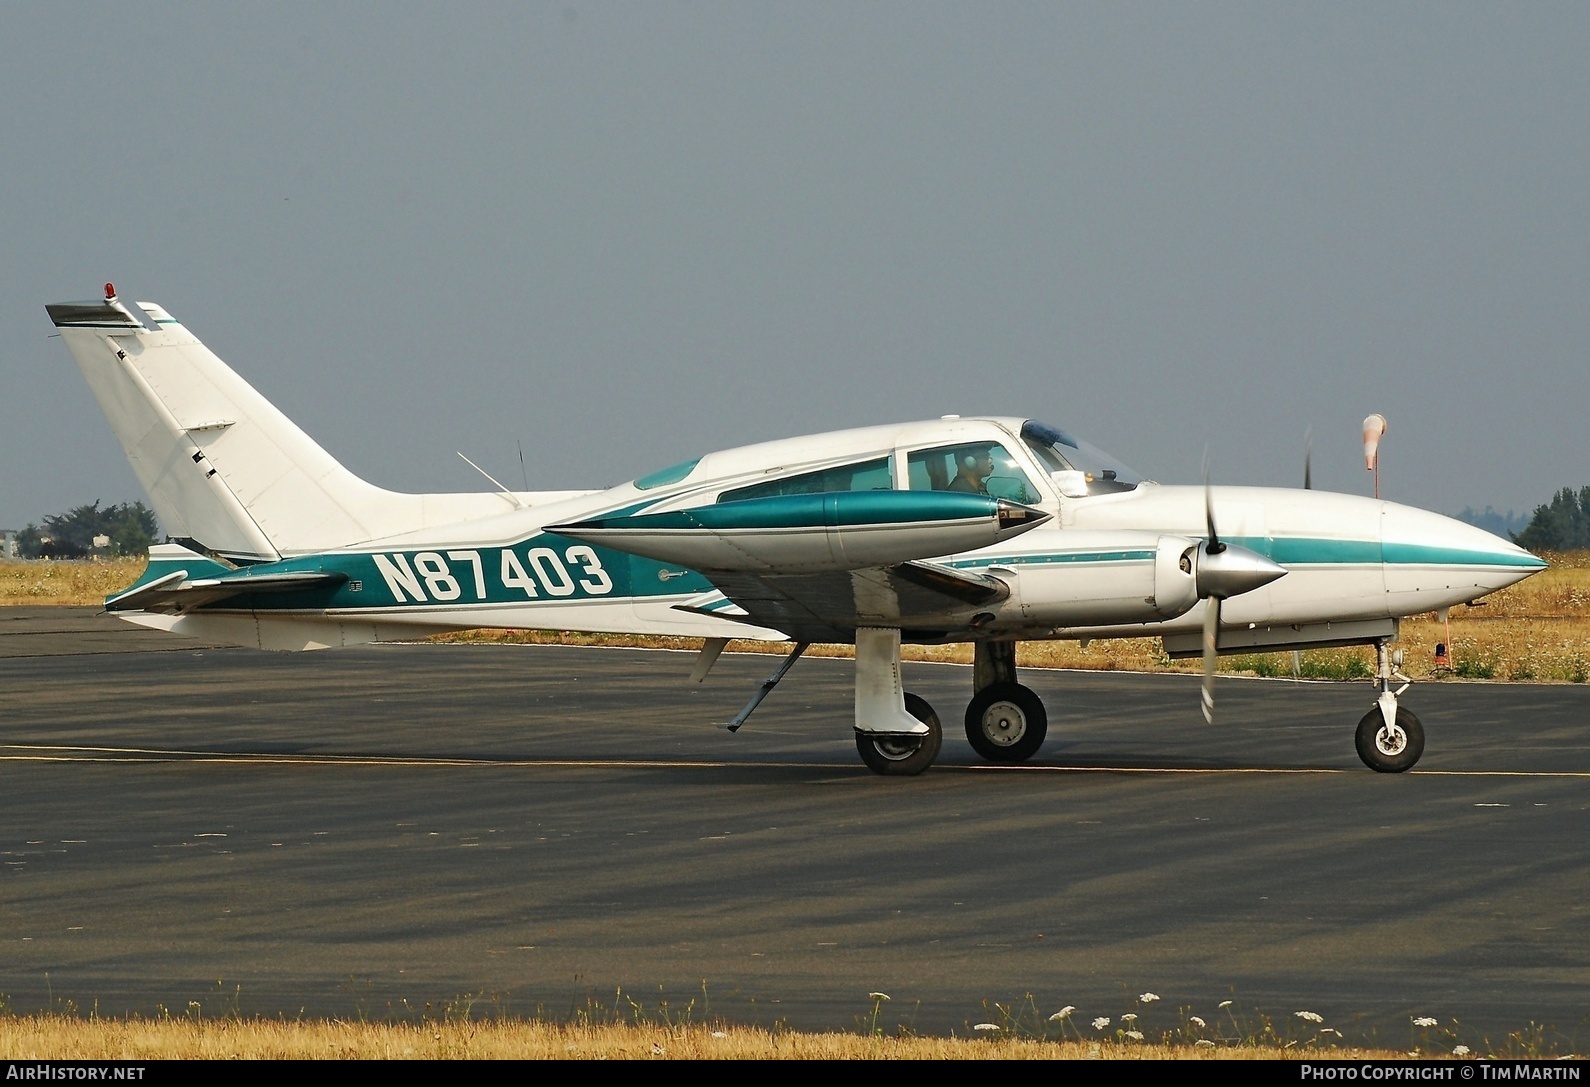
{"x": 982, "y": 530}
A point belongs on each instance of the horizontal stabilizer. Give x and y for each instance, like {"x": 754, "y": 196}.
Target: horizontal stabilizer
{"x": 198, "y": 581}
{"x": 841, "y": 530}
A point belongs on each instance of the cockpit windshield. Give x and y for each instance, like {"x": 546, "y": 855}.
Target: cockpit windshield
{"x": 1061, "y": 452}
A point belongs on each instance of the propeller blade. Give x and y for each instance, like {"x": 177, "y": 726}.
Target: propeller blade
{"x": 1211, "y": 636}
{"x": 1308, "y": 459}
{"x": 1215, "y": 546}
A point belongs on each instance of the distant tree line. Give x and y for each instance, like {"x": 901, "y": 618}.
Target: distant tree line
{"x": 129, "y": 527}
{"x": 1563, "y": 524}
{"x": 1506, "y": 525}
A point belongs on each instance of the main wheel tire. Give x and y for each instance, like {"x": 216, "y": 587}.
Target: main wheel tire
{"x": 1006, "y": 722}
{"x": 1390, "y": 750}
{"x": 902, "y": 756}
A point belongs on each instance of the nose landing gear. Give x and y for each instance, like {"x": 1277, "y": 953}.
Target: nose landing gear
{"x": 1390, "y": 739}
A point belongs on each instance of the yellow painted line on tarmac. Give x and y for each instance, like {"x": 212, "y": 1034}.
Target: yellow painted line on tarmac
{"x": 53, "y": 753}
{"x": 1042, "y": 769}
{"x": 62, "y": 753}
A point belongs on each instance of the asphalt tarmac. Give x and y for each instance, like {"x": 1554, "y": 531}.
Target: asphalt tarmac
{"x": 377, "y": 831}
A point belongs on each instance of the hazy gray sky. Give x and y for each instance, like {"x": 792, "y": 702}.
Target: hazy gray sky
{"x": 628, "y": 234}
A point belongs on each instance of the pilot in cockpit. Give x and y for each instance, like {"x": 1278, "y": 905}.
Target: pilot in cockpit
{"x": 975, "y": 465}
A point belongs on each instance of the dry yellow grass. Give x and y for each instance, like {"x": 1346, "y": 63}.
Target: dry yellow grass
{"x": 65, "y": 582}
{"x": 1538, "y": 630}
{"x": 68, "y": 1038}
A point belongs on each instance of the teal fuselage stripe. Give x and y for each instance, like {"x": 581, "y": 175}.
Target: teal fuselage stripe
{"x": 1305, "y": 551}
{"x": 552, "y": 569}
{"x": 1419, "y": 554}
{"x": 544, "y": 569}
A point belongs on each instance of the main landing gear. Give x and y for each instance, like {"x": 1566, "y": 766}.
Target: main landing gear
{"x": 897, "y": 734}
{"x": 1005, "y": 722}
{"x": 1390, "y": 739}
{"x": 903, "y": 756}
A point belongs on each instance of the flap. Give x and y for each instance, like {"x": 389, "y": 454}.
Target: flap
{"x": 829, "y": 606}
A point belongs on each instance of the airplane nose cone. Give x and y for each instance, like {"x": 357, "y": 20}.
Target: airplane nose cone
{"x": 1426, "y": 553}
{"x": 1233, "y": 571}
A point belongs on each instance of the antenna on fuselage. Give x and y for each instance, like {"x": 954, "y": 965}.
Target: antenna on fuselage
{"x": 1374, "y": 430}
{"x": 506, "y": 492}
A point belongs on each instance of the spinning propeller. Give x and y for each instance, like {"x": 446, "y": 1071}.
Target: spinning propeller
{"x": 1224, "y": 570}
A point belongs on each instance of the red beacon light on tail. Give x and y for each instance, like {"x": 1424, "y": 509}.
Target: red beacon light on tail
{"x": 110, "y": 292}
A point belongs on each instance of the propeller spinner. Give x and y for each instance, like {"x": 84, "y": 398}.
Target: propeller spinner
{"x": 1224, "y": 570}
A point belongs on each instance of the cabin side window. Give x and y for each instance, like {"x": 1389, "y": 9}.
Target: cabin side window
{"x": 973, "y": 468}
{"x": 872, "y": 475}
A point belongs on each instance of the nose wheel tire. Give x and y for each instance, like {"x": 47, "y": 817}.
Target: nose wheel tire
{"x": 904, "y": 756}
{"x": 1390, "y": 750}
{"x": 1006, "y": 722}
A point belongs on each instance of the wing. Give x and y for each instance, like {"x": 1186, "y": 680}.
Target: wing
{"x": 818, "y": 566}
{"x": 917, "y": 597}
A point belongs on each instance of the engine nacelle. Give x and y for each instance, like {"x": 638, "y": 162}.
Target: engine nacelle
{"x": 1175, "y": 576}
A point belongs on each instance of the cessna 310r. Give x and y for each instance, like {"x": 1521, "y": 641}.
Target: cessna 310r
{"x": 980, "y": 530}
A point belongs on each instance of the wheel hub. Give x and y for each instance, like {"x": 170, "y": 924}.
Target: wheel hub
{"x": 1004, "y": 724}
{"x": 896, "y": 748}
{"x": 1391, "y": 740}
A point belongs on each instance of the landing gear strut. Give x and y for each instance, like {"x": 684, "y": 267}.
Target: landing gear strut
{"x": 1390, "y": 739}
{"x": 1005, "y": 722}
{"x": 896, "y": 733}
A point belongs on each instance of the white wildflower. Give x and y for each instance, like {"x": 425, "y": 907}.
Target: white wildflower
{"x": 1205, "y": 1042}
{"x": 1197, "y": 1022}
{"x": 1147, "y": 998}
{"x": 1460, "y": 1051}
{"x": 1101, "y": 1022}
{"x": 985, "y": 1026}
{"x": 877, "y": 996}
{"x": 1310, "y": 1017}
{"x": 1129, "y": 1018}
{"x": 1225, "y": 1003}
{"x": 1135, "y": 1035}
{"x": 1063, "y": 1013}
{"x": 1424, "y": 1021}
{"x": 720, "y": 1034}
{"x": 1329, "y": 1030}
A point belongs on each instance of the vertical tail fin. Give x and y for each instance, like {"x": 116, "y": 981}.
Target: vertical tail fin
{"x": 221, "y": 464}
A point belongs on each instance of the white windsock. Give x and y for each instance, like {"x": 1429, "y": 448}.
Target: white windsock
{"x": 1374, "y": 430}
